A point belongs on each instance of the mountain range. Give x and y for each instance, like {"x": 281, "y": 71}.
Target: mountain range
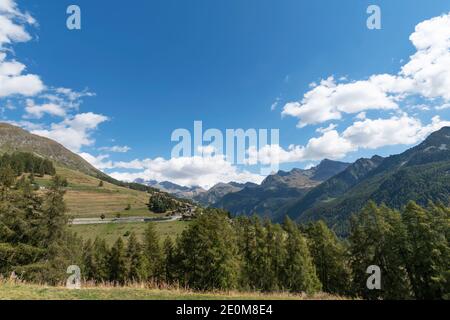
{"x": 278, "y": 190}
{"x": 421, "y": 173}
{"x": 220, "y": 190}
{"x": 331, "y": 191}
{"x": 196, "y": 193}
{"x": 173, "y": 188}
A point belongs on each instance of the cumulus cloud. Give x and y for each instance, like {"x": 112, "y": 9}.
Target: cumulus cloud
{"x": 74, "y": 132}
{"x": 427, "y": 74}
{"x": 13, "y": 81}
{"x": 12, "y": 23}
{"x": 38, "y": 111}
{"x": 372, "y": 134}
{"x": 329, "y": 145}
{"x": 364, "y": 134}
{"x": 330, "y": 100}
{"x": 187, "y": 171}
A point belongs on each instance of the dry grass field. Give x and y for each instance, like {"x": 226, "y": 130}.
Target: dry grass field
{"x": 85, "y": 199}
{"x": 20, "y": 291}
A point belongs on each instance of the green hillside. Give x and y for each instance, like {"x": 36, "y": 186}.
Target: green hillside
{"x": 112, "y": 231}
{"x": 421, "y": 174}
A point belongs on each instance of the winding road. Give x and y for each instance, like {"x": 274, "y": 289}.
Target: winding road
{"x": 85, "y": 221}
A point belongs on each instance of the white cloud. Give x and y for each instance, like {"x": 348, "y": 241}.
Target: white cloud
{"x": 66, "y": 98}
{"x": 427, "y": 73}
{"x": 364, "y": 134}
{"x": 75, "y": 132}
{"x": 38, "y": 111}
{"x": 18, "y": 84}
{"x": 12, "y": 22}
{"x": 101, "y": 162}
{"x": 329, "y": 145}
{"x": 443, "y": 106}
{"x": 429, "y": 67}
{"x": 329, "y": 100}
{"x": 403, "y": 130}
{"x": 116, "y": 149}
{"x": 12, "y": 29}
{"x": 187, "y": 171}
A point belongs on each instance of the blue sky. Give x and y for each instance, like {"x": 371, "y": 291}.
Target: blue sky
{"x": 141, "y": 69}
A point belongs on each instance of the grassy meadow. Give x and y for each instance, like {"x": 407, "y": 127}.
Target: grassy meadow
{"x": 20, "y": 291}
{"x": 110, "y": 232}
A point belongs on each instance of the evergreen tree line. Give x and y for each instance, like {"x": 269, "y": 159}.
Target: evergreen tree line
{"x": 23, "y": 162}
{"x": 34, "y": 241}
{"x": 216, "y": 252}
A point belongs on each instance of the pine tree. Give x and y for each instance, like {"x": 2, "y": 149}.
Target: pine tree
{"x": 90, "y": 267}
{"x": 300, "y": 273}
{"x": 153, "y": 253}
{"x": 207, "y": 253}
{"x": 55, "y": 219}
{"x": 262, "y": 275}
{"x": 101, "y": 258}
{"x": 95, "y": 261}
{"x": 276, "y": 251}
{"x": 378, "y": 238}
{"x": 7, "y": 176}
{"x": 427, "y": 251}
{"x": 441, "y": 225}
{"x": 41, "y": 169}
{"x": 169, "y": 264}
{"x": 245, "y": 232}
{"x": 118, "y": 263}
{"x": 137, "y": 268}
{"x": 36, "y": 243}
{"x": 329, "y": 257}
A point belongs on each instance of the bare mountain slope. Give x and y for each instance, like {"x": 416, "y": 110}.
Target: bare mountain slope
{"x": 13, "y": 139}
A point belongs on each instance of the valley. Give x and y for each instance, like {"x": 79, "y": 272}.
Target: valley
{"x": 224, "y": 150}
{"x": 129, "y": 233}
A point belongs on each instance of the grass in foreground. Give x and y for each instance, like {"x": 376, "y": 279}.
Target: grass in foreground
{"x": 112, "y": 231}
{"x": 13, "y": 291}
